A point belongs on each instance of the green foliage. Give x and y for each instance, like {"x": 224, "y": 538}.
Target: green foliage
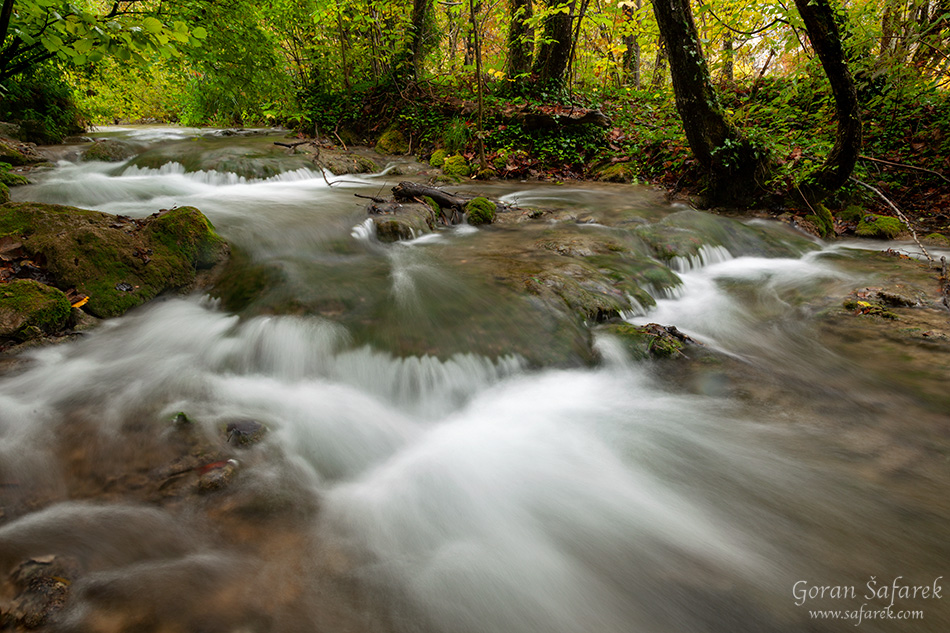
{"x": 480, "y": 211}
{"x": 457, "y": 135}
{"x": 42, "y": 105}
{"x": 78, "y": 33}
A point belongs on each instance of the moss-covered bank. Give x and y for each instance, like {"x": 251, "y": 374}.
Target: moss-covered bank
{"x": 118, "y": 262}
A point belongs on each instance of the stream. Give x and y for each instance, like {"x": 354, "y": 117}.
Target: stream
{"x": 442, "y": 455}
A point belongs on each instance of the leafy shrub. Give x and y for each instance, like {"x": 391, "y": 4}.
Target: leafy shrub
{"x": 42, "y": 104}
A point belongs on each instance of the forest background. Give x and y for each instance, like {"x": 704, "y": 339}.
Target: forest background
{"x": 533, "y": 89}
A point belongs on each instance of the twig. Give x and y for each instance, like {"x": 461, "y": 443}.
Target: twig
{"x": 903, "y": 166}
{"x": 339, "y": 139}
{"x": 373, "y": 198}
{"x": 900, "y": 215}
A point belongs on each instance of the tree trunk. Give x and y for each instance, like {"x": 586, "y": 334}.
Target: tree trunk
{"x": 418, "y": 33}
{"x": 728, "y": 57}
{"x": 819, "y": 21}
{"x": 520, "y": 38}
{"x": 482, "y": 161}
{"x": 631, "y": 54}
{"x": 555, "y": 52}
{"x": 659, "y": 64}
{"x": 732, "y": 165}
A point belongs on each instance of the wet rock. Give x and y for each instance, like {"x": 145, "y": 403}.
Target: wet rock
{"x": 110, "y": 151}
{"x": 245, "y": 432}
{"x": 650, "y": 341}
{"x": 620, "y": 172}
{"x": 100, "y": 255}
{"x": 44, "y": 584}
{"x": 19, "y": 153}
{"x": 339, "y": 163}
{"x": 217, "y": 475}
{"x": 395, "y": 221}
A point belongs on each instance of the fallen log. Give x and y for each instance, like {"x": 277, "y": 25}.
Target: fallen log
{"x": 415, "y": 192}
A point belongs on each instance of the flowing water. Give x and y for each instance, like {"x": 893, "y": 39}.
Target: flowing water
{"x": 439, "y": 455}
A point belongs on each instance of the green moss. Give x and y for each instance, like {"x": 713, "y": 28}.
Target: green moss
{"x": 943, "y": 240}
{"x": 486, "y": 174}
{"x": 102, "y": 257}
{"x": 365, "y": 165}
{"x": 29, "y": 309}
{"x": 392, "y": 142}
{"x": 456, "y": 166}
{"x": 433, "y": 205}
{"x": 879, "y": 226}
{"x": 4, "y": 193}
{"x": 621, "y": 172}
{"x": 438, "y": 158}
{"x": 109, "y": 151}
{"x": 851, "y": 213}
{"x": 823, "y": 220}
{"x": 10, "y": 179}
{"x": 188, "y": 234}
{"x": 9, "y": 153}
{"x": 647, "y": 341}
{"x": 480, "y": 211}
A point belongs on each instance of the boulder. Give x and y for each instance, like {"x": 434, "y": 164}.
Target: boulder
{"x": 118, "y": 262}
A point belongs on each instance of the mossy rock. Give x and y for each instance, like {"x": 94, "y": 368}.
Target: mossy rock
{"x": 395, "y": 222}
{"x": 456, "y": 166}
{"x": 392, "y": 142}
{"x": 109, "y": 151}
{"x": 29, "y": 309}
{"x": 646, "y": 341}
{"x": 17, "y": 153}
{"x": 938, "y": 239}
{"x": 620, "y": 172}
{"x": 822, "y": 220}
{"x": 340, "y": 163}
{"x": 438, "y": 158}
{"x": 480, "y": 211}
{"x": 852, "y": 213}
{"x": 879, "y": 226}
{"x": 10, "y": 179}
{"x": 118, "y": 263}
{"x": 4, "y": 193}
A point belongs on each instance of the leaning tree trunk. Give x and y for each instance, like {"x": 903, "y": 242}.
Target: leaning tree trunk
{"x": 733, "y": 166}
{"x": 550, "y": 66}
{"x": 520, "y": 38}
{"x": 819, "y": 21}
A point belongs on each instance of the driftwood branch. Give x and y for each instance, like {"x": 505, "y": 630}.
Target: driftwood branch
{"x": 900, "y": 215}
{"x": 291, "y": 145}
{"x": 373, "y": 198}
